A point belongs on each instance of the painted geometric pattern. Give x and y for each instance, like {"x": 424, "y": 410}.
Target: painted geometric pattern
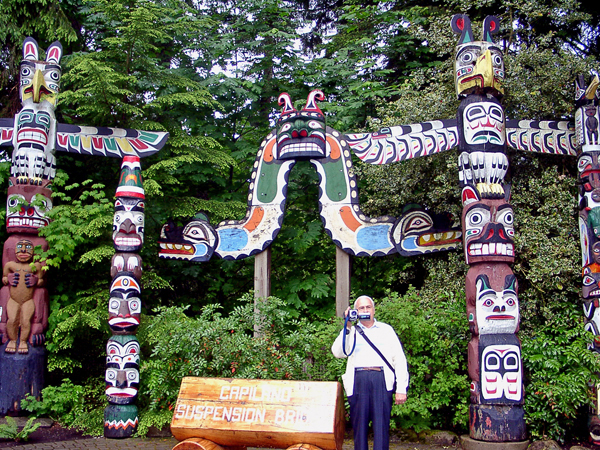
{"x": 99, "y": 141}
{"x": 549, "y": 136}
{"x": 404, "y": 142}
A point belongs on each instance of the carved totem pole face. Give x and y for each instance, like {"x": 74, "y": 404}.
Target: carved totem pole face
{"x": 501, "y": 378}
{"x": 301, "y": 134}
{"x": 124, "y": 306}
{"x": 35, "y": 124}
{"x": 478, "y": 65}
{"x": 488, "y": 225}
{"x": 122, "y": 369}
{"x": 128, "y": 224}
{"x": 492, "y": 299}
{"x": 26, "y": 207}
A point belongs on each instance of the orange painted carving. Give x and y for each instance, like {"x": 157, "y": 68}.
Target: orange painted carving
{"x": 255, "y": 220}
{"x": 348, "y": 218}
{"x": 268, "y": 154}
{"x": 336, "y": 151}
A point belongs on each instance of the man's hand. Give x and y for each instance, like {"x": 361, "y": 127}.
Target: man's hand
{"x": 348, "y": 324}
{"x": 400, "y": 398}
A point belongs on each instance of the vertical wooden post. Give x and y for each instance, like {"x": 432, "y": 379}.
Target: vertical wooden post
{"x": 262, "y": 282}
{"x": 342, "y": 281}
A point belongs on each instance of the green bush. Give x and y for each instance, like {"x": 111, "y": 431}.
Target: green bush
{"x": 71, "y": 405}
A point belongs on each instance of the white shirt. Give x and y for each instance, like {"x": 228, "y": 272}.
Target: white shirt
{"x": 385, "y": 339}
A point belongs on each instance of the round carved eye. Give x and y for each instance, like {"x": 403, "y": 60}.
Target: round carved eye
{"x": 487, "y": 303}
{"x": 496, "y": 60}
{"x": 114, "y": 305}
{"x": 139, "y": 219}
{"x": 111, "y": 375}
{"x": 13, "y": 201}
{"x": 117, "y": 218}
{"x": 134, "y": 306}
{"x": 475, "y": 218}
{"x": 511, "y": 302}
{"x": 54, "y": 75}
{"x": 467, "y": 57}
{"x": 25, "y": 71}
{"x": 131, "y": 375}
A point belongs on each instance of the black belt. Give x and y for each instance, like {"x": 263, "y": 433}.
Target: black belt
{"x": 376, "y": 369}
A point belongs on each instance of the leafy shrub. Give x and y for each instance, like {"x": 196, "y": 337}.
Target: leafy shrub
{"x": 435, "y": 337}
{"x": 10, "y": 430}
{"x": 214, "y": 345}
{"x": 71, "y": 405}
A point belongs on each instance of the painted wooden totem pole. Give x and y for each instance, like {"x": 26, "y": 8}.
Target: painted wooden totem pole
{"x": 587, "y": 100}
{"x": 303, "y": 135}
{"x": 124, "y": 306}
{"x": 35, "y": 135}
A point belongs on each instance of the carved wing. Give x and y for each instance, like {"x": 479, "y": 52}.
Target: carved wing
{"x": 404, "y": 142}
{"x": 6, "y": 131}
{"x": 549, "y": 136}
{"x": 103, "y": 141}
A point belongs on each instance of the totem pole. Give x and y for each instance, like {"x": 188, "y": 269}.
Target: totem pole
{"x": 494, "y": 356}
{"x": 303, "y": 135}
{"x": 588, "y": 164}
{"x": 35, "y": 135}
{"x": 124, "y": 308}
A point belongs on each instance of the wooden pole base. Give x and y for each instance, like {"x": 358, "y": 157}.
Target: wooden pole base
{"x": 20, "y": 374}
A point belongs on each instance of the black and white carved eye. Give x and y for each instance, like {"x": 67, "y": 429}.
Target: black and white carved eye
{"x": 492, "y": 362}
{"x": 511, "y": 302}
{"x": 511, "y": 361}
{"x": 285, "y": 127}
{"x": 488, "y": 302}
{"x": 314, "y": 124}
{"x": 477, "y": 217}
{"x": 475, "y": 112}
{"x": 111, "y": 375}
{"x": 467, "y": 57}
{"x": 132, "y": 375}
{"x": 585, "y": 161}
{"x": 506, "y": 217}
{"x": 54, "y": 75}
{"x": 496, "y": 113}
{"x": 497, "y": 60}
{"x": 26, "y": 71}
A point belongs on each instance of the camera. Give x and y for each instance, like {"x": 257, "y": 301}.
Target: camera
{"x": 353, "y": 315}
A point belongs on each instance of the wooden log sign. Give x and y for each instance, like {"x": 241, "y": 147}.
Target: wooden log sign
{"x": 260, "y": 413}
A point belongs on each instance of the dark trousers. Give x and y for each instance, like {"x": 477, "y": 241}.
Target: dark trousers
{"x": 370, "y": 401}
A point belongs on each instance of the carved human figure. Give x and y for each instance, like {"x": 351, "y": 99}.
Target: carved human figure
{"x": 122, "y": 369}
{"x": 22, "y": 280}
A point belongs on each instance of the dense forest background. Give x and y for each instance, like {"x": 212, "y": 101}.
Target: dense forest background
{"x": 209, "y": 72}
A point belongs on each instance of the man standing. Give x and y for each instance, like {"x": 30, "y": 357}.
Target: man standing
{"x": 369, "y": 381}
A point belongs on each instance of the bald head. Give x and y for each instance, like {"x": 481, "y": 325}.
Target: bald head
{"x": 364, "y": 298}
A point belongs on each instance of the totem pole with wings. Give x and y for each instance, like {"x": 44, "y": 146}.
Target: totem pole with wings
{"x": 35, "y": 136}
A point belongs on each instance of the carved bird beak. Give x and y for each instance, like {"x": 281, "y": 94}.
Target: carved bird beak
{"x": 590, "y": 92}
{"x": 40, "y": 89}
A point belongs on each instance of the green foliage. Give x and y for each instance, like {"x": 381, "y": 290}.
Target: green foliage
{"x": 216, "y": 345}
{"x": 10, "y": 430}
{"x": 71, "y": 405}
{"x": 559, "y": 372}
{"x": 434, "y": 336}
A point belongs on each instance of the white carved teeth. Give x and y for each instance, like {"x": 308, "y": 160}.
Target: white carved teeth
{"x": 167, "y": 246}
{"x": 478, "y": 249}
